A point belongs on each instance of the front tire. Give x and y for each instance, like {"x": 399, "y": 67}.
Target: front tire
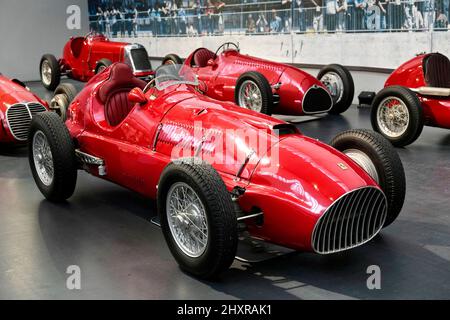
{"x": 102, "y": 64}
{"x": 50, "y": 71}
{"x": 397, "y": 114}
{"x": 51, "y": 154}
{"x": 253, "y": 92}
{"x": 63, "y": 96}
{"x": 172, "y": 59}
{"x": 339, "y": 82}
{"x": 380, "y": 160}
{"x": 194, "y": 205}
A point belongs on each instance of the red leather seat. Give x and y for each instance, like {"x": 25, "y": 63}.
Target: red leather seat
{"x": 436, "y": 69}
{"x": 201, "y": 57}
{"x": 113, "y": 94}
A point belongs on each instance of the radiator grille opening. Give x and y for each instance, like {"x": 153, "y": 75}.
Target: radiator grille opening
{"x": 18, "y": 117}
{"x": 316, "y": 100}
{"x": 140, "y": 59}
{"x": 350, "y": 221}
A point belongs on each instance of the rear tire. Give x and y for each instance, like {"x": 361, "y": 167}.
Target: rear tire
{"x": 50, "y": 71}
{"x": 256, "y": 80}
{"x": 382, "y": 157}
{"x": 63, "y": 96}
{"x": 205, "y": 184}
{"x": 55, "y": 173}
{"x": 172, "y": 59}
{"x": 400, "y": 97}
{"x": 102, "y": 64}
{"x": 339, "y": 82}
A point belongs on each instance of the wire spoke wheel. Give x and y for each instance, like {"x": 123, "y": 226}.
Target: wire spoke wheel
{"x": 250, "y": 96}
{"x": 46, "y": 72}
{"x": 393, "y": 117}
{"x": 334, "y": 84}
{"x": 43, "y": 158}
{"x": 364, "y": 161}
{"x": 187, "y": 219}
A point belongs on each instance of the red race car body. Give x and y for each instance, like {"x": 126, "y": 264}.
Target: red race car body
{"x": 269, "y": 87}
{"x": 17, "y": 106}
{"x": 286, "y": 188}
{"x": 83, "y": 57}
{"x": 416, "y": 94}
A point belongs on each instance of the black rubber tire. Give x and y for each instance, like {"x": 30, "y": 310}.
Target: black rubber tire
{"x": 264, "y": 87}
{"x": 63, "y": 153}
{"x": 69, "y": 92}
{"x": 416, "y": 117}
{"x": 173, "y": 58}
{"x": 349, "y": 87}
{"x": 222, "y": 223}
{"x": 56, "y": 71}
{"x": 387, "y": 163}
{"x": 102, "y": 63}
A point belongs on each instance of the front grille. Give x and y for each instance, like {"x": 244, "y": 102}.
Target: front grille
{"x": 350, "y": 221}
{"x": 140, "y": 59}
{"x": 18, "y": 117}
{"x": 316, "y": 100}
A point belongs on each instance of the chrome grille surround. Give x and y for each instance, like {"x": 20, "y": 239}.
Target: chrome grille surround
{"x": 18, "y": 118}
{"x": 352, "y": 220}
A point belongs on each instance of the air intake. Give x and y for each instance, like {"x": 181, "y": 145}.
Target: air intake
{"x": 316, "y": 100}
{"x": 18, "y": 117}
{"x": 350, "y": 221}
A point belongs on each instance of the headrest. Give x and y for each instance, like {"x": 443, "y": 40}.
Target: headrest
{"x": 120, "y": 76}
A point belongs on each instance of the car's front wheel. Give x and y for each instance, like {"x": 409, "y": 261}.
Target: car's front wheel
{"x": 63, "y": 96}
{"x": 50, "y": 71}
{"x": 253, "y": 92}
{"x": 379, "y": 159}
{"x": 197, "y": 217}
{"x": 339, "y": 83}
{"x": 52, "y": 157}
{"x": 102, "y": 64}
{"x": 397, "y": 115}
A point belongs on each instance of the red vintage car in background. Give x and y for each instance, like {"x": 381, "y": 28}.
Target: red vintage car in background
{"x": 217, "y": 169}
{"x": 83, "y": 57}
{"x": 17, "y": 106}
{"x": 269, "y": 87}
{"x": 416, "y": 94}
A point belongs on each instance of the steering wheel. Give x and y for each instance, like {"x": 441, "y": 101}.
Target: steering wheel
{"x": 226, "y": 46}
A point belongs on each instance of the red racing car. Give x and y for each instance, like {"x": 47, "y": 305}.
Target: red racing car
{"x": 83, "y": 57}
{"x": 416, "y": 94}
{"x": 17, "y": 106}
{"x": 269, "y": 87}
{"x": 217, "y": 169}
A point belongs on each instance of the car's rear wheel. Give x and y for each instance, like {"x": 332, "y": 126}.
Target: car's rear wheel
{"x": 102, "y": 64}
{"x": 339, "y": 83}
{"x": 379, "y": 159}
{"x": 52, "y": 157}
{"x": 397, "y": 114}
{"x": 50, "y": 71}
{"x": 172, "y": 59}
{"x": 197, "y": 217}
{"x": 64, "y": 94}
{"x": 253, "y": 92}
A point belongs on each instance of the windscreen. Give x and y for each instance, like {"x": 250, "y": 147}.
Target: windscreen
{"x": 174, "y": 74}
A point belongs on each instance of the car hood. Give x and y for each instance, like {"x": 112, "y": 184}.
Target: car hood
{"x": 11, "y": 93}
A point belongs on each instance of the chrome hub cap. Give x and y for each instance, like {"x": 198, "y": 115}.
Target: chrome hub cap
{"x": 59, "y": 105}
{"x": 46, "y": 72}
{"x": 187, "y": 219}
{"x": 100, "y": 69}
{"x": 43, "y": 159}
{"x": 250, "y": 96}
{"x": 334, "y": 84}
{"x": 393, "y": 117}
{"x": 364, "y": 162}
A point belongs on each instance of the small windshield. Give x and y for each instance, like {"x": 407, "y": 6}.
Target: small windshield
{"x": 174, "y": 74}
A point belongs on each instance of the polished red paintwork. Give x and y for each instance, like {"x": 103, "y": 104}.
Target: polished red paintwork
{"x": 221, "y": 78}
{"x": 410, "y": 74}
{"x": 12, "y": 92}
{"x": 293, "y": 192}
{"x": 92, "y": 48}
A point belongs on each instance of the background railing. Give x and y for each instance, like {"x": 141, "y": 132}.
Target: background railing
{"x": 273, "y": 17}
